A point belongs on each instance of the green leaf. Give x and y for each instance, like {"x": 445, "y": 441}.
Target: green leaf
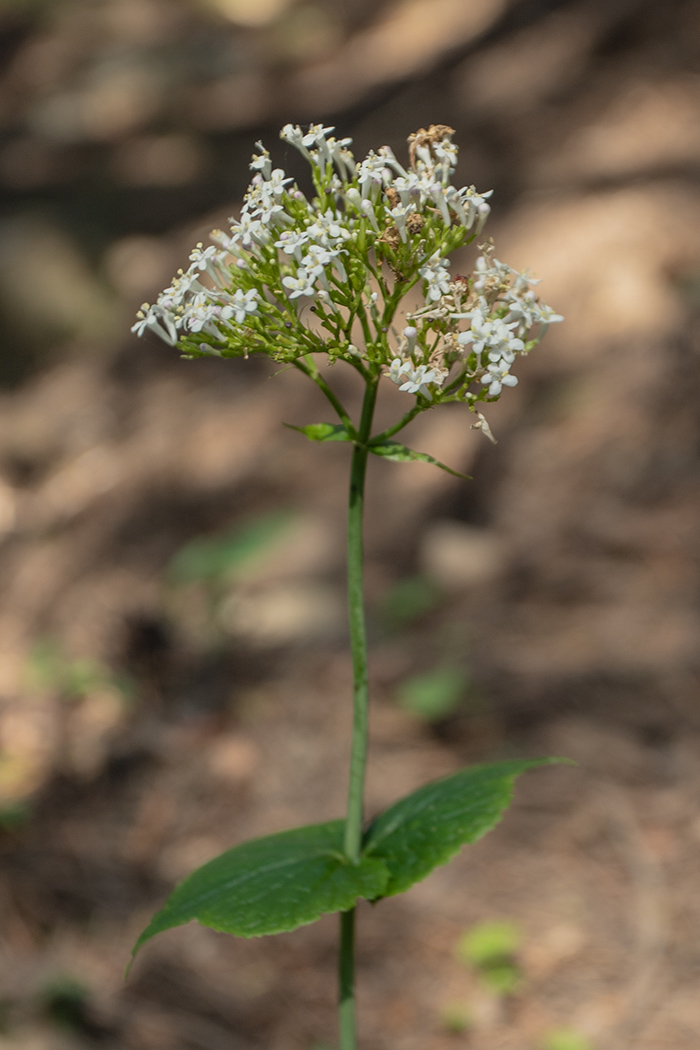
{"x": 428, "y": 827}
{"x": 323, "y": 431}
{"x": 402, "y": 454}
{"x": 272, "y": 884}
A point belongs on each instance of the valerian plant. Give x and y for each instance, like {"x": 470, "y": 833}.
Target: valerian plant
{"x": 301, "y": 280}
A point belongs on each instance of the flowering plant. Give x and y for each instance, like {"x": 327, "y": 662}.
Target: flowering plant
{"x": 297, "y": 278}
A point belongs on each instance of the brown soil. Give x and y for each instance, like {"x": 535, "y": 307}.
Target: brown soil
{"x": 565, "y": 575}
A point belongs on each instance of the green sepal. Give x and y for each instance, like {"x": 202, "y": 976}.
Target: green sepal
{"x": 323, "y": 431}
{"x": 272, "y": 885}
{"x": 428, "y": 827}
{"x": 394, "y": 450}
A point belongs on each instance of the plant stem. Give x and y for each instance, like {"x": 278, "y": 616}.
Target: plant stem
{"x": 309, "y": 369}
{"x": 358, "y": 636}
{"x": 358, "y": 755}
{"x": 346, "y": 1015}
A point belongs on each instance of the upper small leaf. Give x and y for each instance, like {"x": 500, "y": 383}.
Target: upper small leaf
{"x": 428, "y": 827}
{"x": 323, "y": 431}
{"x": 272, "y": 884}
{"x": 402, "y": 454}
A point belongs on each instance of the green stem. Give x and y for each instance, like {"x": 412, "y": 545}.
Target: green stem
{"x": 309, "y": 369}
{"x": 358, "y": 755}
{"x": 358, "y": 636}
{"x": 347, "y": 981}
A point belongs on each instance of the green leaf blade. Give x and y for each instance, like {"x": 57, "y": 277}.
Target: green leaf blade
{"x": 399, "y": 453}
{"x": 272, "y": 885}
{"x": 323, "y": 431}
{"x": 428, "y": 827}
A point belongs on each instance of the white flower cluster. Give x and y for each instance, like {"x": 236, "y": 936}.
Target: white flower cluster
{"x": 297, "y": 276}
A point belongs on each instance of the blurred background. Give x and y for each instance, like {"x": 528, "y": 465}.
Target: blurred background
{"x": 173, "y": 667}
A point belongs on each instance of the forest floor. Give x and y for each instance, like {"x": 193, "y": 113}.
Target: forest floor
{"x": 170, "y": 687}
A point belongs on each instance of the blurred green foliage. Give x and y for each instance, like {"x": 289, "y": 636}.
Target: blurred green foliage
{"x": 48, "y": 668}
{"x": 14, "y": 815}
{"x": 490, "y": 948}
{"x": 457, "y": 1018}
{"x": 408, "y": 600}
{"x": 64, "y": 1001}
{"x": 215, "y": 560}
{"x": 435, "y": 694}
{"x": 565, "y": 1039}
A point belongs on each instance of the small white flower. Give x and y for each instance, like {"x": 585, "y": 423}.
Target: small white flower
{"x": 316, "y": 135}
{"x": 328, "y": 229}
{"x": 343, "y": 157}
{"x": 411, "y": 189}
{"x": 437, "y": 276}
{"x": 399, "y": 214}
{"x": 438, "y": 195}
{"x": 250, "y": 231}
{"x": 418, "y": 379}
{"x": 319, "y": 257}
{"x": 523, "y": 309}
{"x": 262, "y": 161}
{"x": 398, "y": 369}
{"x": 159, "y": 320}
{"x": 522, "y": 281}
{"x": 202, "y": 315}
{"x": 387, "y": 154}
{"x": 548, "y": 316}
{"x": 292, "y": 241}
{"x": 244, "y": 303}
{"x": 368, "y": 210}
{"x": 482, "y": 214}
{"x": 293, "y": 134}
{"x": 370, "y": 173}
{"x": 446, "y": 154}
{"x": 207, "y": 260}
{"x": 261, "y": 202}
{"x": 472, "y": 201}
{"x": 277, "y": 181}
{"x": 492, "y": 335}
{"x": 180, "y": 287}
{"x": 497, "y": 376}
{"x": 301, "y": 284}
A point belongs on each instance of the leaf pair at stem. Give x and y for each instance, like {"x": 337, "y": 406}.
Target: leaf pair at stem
{"x": 387, "y": 449}
{"x": 283, "y": 881}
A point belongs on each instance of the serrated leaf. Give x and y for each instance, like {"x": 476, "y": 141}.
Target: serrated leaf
{"x": 399, "y": 453}
{"x": 428, "y": 827}
{"x": 323, "y": 431}
{"x": 272, "y": 884}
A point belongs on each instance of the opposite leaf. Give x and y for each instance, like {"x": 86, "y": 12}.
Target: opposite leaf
{"x": 402, "y": 454}
{"x": 428, "y": 827}
{"x": 323, "y": 431}
{"x": 272, "y": 884}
